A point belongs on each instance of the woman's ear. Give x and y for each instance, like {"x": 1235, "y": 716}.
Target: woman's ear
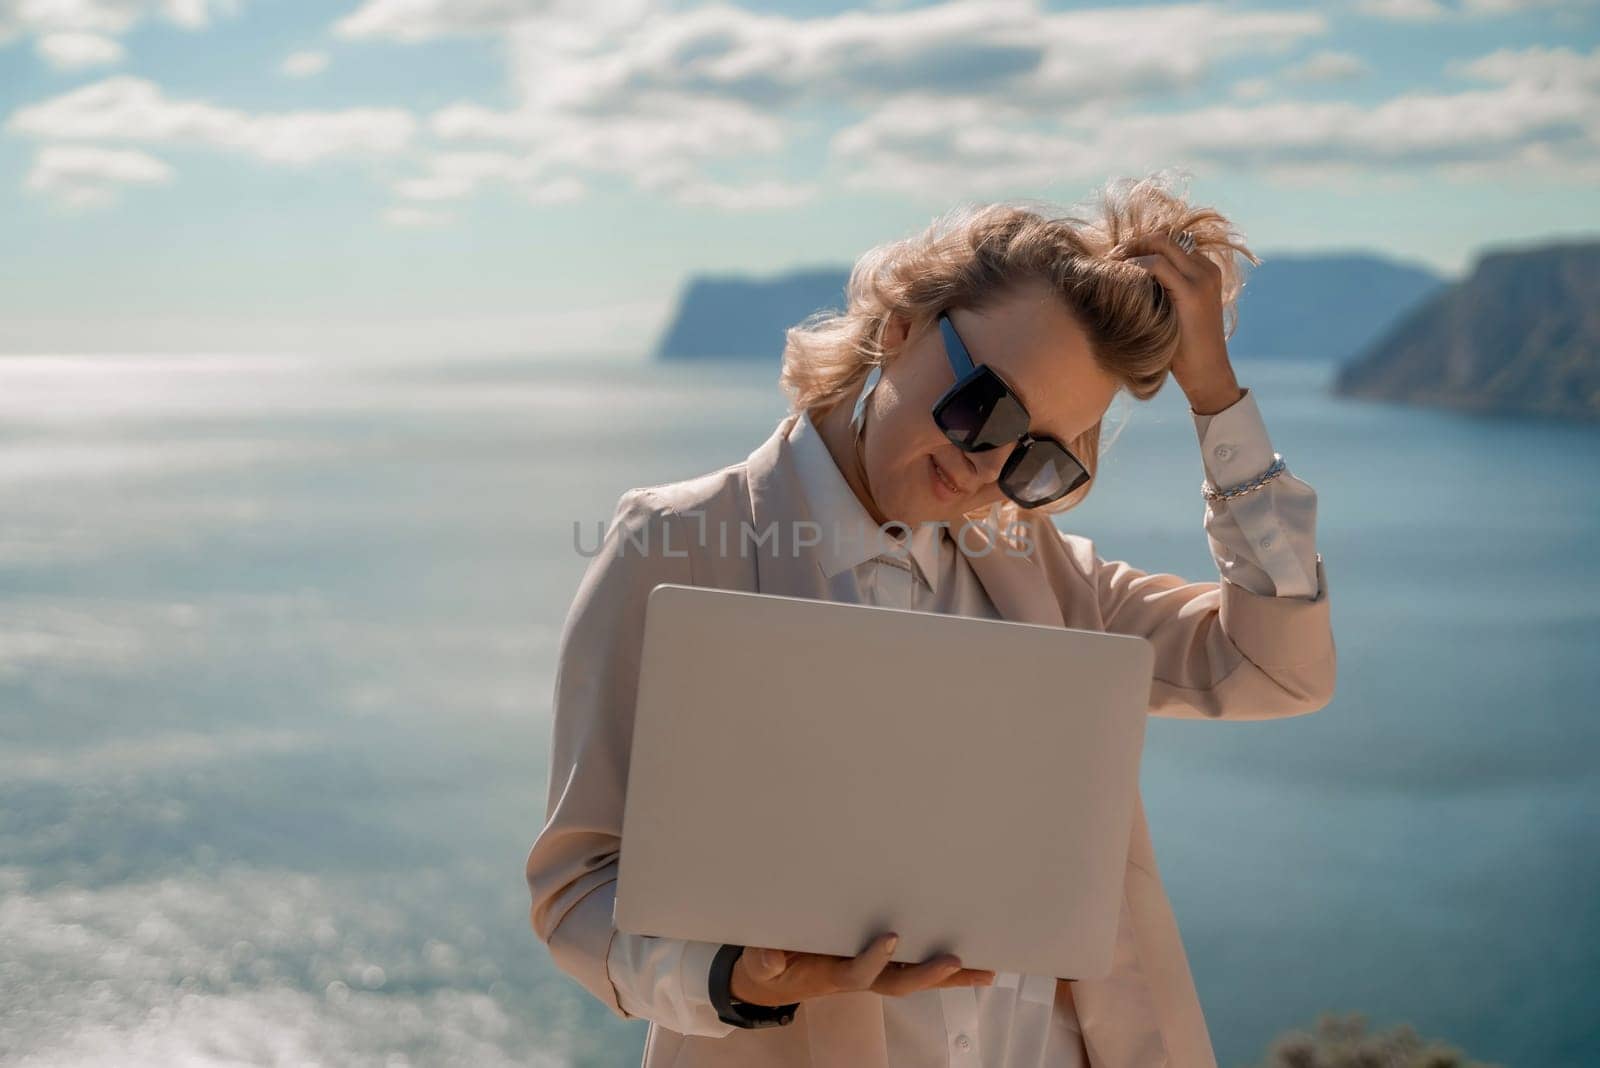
{"x": 895, "y": 331}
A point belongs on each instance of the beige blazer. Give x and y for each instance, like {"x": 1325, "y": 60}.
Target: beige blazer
{"x": 1221, "y": 652}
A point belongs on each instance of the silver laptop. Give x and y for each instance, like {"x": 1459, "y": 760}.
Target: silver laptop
{"x": 806, "y": 774}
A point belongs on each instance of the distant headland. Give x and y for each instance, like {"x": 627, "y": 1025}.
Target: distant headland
{"x": 1295, "y": 305}
{"x": 1519, "y": 335}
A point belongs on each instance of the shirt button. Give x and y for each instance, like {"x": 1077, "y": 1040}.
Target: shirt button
{"x": 963, "y": 1042}
{"x": 1223, "y": 452}
{"x": 1266, "y": 542}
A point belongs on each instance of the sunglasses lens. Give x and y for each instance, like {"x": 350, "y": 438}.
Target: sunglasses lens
{"x": 979, "y": 413}
{"x": 1041, "y": 473}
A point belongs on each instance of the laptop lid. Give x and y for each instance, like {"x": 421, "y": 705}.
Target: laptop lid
{"x": 806, "y": 774}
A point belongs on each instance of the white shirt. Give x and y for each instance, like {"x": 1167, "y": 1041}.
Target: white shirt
{"x": 1263, "y": 541}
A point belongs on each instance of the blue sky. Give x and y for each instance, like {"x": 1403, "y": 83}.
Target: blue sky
{"x": 540, "y": 177}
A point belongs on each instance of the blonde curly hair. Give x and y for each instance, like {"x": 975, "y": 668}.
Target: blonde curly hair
{"x": 974, "y": 251}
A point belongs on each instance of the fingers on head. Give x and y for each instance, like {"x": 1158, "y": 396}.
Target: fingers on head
{"x": 1163, "y": 270}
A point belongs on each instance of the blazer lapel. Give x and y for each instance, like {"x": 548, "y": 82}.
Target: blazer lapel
{"x": 1014, "y": 580}
{"x": 777, "y": 506}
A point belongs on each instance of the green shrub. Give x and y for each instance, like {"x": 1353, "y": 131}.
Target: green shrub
{"x": 1343, "y": 1042}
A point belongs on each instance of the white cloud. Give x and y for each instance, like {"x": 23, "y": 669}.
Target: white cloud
{"x": 655, "y": 96}
{"x": 659, "y": 147}
{"x": 1328, "y": 66}
{"x": 72, "y": 50}
{"x": 1250, "y": 88}
{"x": 917, "y": 145}
{"x": 1008, "y": 51}
{"x": 1434, "y": 10}
{"x": 406, "y": 215}
{"x": 19, "y": 18}
{"x": 658, "y": 133}
{"x": 304, "y": 64}
{"x": 125, "y": 108}
{"x": 85, "y": 176}
{"x": 910, "y": 147}
{"x": 1514, "y": 7}
{"x": 456, "y": 175}
{"x": 614, "y": 58}
{"x": 686, "y": 186}
{"x": 1403, "y": 10}
{"x": 1542, "y": 116}
{"x": 961, "y": 97}
{"x": 196, "y": 14}
{"x": 421, "y": 20}
{"x": 1537, "y": 67}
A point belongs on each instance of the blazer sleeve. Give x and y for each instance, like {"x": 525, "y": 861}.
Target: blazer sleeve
{"x": 667, "y": 980}
{"x": 1222, "y": 651}
{"x": 1264, "y": 540}
{"x": 1231, "y": 649}
{"x": 572, "y": 867}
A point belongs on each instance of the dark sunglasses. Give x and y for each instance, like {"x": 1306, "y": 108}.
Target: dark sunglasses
{"x": 980, "y": 412}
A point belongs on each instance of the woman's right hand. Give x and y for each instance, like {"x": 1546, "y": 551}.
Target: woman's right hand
{"x": 781, "y": 977}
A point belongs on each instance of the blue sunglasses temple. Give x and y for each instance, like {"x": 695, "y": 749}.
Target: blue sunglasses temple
{"x": 954, "y": 349}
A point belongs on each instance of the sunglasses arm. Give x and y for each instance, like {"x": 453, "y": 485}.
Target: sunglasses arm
{"x": 954, "y": 349}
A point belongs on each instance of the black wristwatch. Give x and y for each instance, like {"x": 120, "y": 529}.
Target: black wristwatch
{"x": 731, "y": 1010}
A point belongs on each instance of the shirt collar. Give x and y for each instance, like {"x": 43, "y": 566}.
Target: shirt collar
{"x": 835, "y": 507}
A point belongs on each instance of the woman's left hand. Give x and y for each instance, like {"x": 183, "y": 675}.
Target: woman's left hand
{"x": 1194, "y": 284}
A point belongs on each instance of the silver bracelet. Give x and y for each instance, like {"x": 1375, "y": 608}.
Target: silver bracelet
{"x": 1212, "y": 493}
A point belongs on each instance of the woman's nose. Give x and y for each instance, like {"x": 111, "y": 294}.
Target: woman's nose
{"x": 990, "y": 462}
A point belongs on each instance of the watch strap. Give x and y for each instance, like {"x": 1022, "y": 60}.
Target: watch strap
{"x": 731, "y": 1010}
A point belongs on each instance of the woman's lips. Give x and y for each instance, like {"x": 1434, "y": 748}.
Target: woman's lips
{"x": 942, "y": 484}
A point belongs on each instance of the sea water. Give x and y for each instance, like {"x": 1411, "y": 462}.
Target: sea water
{"x": 278, "y": 634}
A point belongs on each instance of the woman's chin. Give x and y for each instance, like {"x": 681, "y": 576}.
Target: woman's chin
{"x": 929, "y": 507}
{"x": 940, "y": 512}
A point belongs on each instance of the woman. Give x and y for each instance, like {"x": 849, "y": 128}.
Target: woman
{"x": 964, "y": 385}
